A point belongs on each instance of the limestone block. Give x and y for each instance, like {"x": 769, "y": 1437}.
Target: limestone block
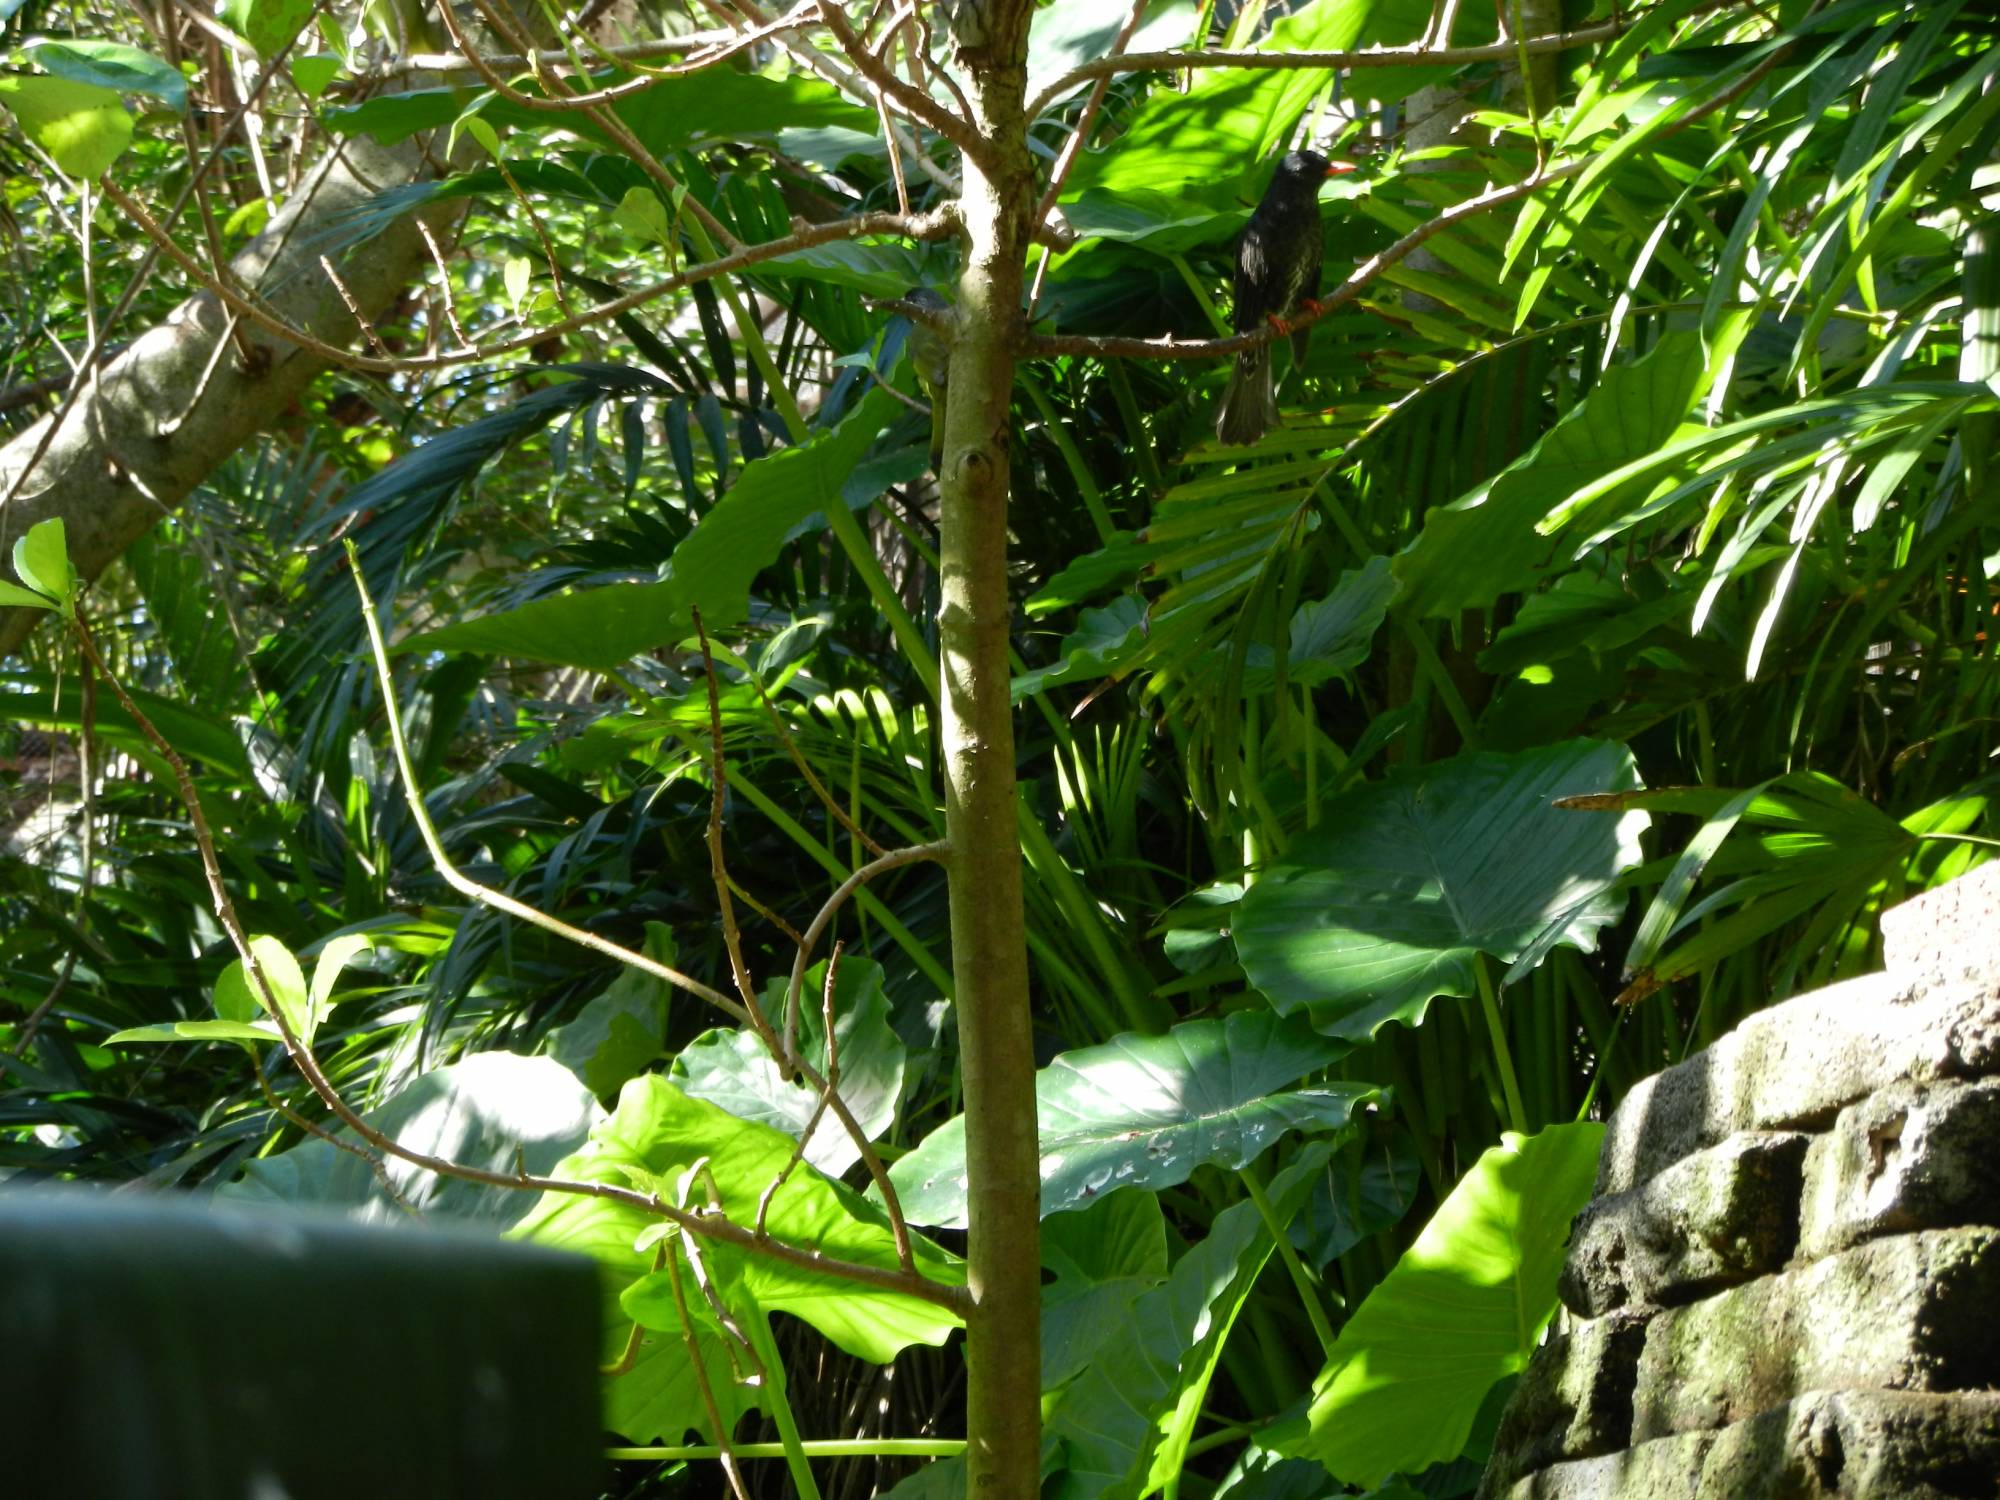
{"x": 1915, "y": 1312}
{"x": 1912, "y": 1156}
{"x": 1717, "y": 1218}
{"x": 1574, "y": 1399}
{"x": 1950, "y": 934}
{"x": 1846, "y": 1445}
{"x": 1796, "y": 1065}
{"x": 1665, "y": 1469}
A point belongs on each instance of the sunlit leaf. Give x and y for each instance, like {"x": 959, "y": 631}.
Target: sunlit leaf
{"x": 1143, "y": 1111}
{"x": 82, "y": 126}
{"x": 1462, "y": 1309}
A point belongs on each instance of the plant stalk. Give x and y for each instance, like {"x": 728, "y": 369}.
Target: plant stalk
{"x": 988, "y": 931}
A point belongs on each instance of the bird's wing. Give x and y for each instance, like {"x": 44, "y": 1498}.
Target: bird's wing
{"x": 1253, "y": 278}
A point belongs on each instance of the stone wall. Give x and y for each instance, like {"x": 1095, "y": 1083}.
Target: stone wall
{"x": 1787, "y": 1284}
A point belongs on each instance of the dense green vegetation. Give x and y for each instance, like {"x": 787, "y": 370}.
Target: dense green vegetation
{"x": 1604, "y": 639}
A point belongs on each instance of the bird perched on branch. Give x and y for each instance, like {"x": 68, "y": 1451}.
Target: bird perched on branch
{"x": 930, "y": 357}
{"x": 1277, "y": 274}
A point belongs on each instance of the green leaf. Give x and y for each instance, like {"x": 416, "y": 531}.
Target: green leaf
{"x": 237, "y": 999}
{"x": 1409, "y": 879}
{"x": 109, "y": 65}
{"x": 1485, "y": 544}
{"x": 497, "y": 1111}
{"x": 1068, "y": 32}
{"x": 1462, "y": 1309}
{"x": 267, "y": 25}
{"x": 337, "y": 953}
{"x": 1105, "y": 1259}
{"x": 1365, "y": 1189}
{"x": 1101, "y": 643}
{"x": 83, "y": 127}
{"x": 514, "y": 278}
{"x": 874, "y": 268}
{"x": 1145, "y": 1111}
{"x": 1213, "y": 145}
{"x": 41, "y": 558}
{"x": 656, "y": 1134}
{"x": 13, "y": 594}
{"x": 313, "y": 72}
{"x": 617, "y": 1034}
{"x": 1125, "y": 1423}
{"x": 712, "y": 567}
{"x": 641, "y": 213}
{"x": 732, "y": 1068}
{"x": 1328, "y": 636}
{"x": 199, "y": 1031}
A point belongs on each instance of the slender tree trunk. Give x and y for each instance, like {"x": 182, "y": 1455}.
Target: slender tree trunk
{"x": 176, "y": 403}
{"x": 988, "y": 938}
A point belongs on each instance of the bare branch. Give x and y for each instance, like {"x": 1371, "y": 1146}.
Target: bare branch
{"x": 459, "y": 62}
{"x": 732, "y": 940}
{"x": 1073, "y": 147}
{"x": 915, "y": 102}
{"x": 1169, "y": 347}
{"x": 935, "y": 224}
{"x": 895, "y": 859}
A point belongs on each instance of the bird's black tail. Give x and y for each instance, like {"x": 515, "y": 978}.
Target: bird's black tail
{"x": 1249, "y": 405}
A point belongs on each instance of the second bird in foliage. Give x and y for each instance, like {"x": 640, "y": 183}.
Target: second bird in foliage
{"x": 1277, "y": 274}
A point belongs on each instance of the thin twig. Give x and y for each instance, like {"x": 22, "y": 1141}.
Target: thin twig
{"x": 1169, "y": 347}
{"x": 732, "y": 939}
{"x": 693, "y": 1346}
{"x": 825, "y": 1095}
{"x": 360, "y": 318}
{"x": 1073, "y": 148}
{"x": 486, "y": 895}
{"x": 935, "y": 224}
{"x": 1367, "y": 57}
{"x": 895, "y": 859}
{"x": 915, "y": 102}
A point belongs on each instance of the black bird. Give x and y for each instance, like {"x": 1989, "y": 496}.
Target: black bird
{"x": 1277, "y": 273}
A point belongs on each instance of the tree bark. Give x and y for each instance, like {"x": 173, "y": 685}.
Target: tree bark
{"x": 159, "y": 419}
{"x": 988, "y": 936}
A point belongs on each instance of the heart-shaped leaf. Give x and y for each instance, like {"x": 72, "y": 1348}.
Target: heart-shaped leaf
{"x": 1410, "y": 879}
{"x": 1145, "y": 1111}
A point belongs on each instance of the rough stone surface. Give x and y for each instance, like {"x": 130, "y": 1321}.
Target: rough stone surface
{"x": 1574, "y": 1400}
{"x": 1796, "y": 1066}
{"x": 1840, "y": 1445}
{"x": 1950, "y": 934}
{"x": 1713, "y": 1219}
{"x": 1917, "y": 1312}
{"x": 1913, "y": 1156}
{"x": 1788, "y": 1287}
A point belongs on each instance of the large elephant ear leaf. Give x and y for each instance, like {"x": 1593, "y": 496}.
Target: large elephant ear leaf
{"x": 1145, "y": 1111}
{"x": 1412, "y": 878}
{"x": 1462, "y": 1310}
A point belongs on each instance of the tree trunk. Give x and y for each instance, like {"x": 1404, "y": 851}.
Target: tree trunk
{"x": 988, "y": 938}
{"x": 160, "y": 420}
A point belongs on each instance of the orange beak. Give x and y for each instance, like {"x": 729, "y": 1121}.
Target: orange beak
{"x": 1336, "y": 168}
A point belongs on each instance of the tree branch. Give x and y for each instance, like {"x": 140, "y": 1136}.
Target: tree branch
{"x": 1415, "y": 55}
{"x": 915, "y": 102}
{"x": 1044, "y": 346}
{"x": 935, "y": 224}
